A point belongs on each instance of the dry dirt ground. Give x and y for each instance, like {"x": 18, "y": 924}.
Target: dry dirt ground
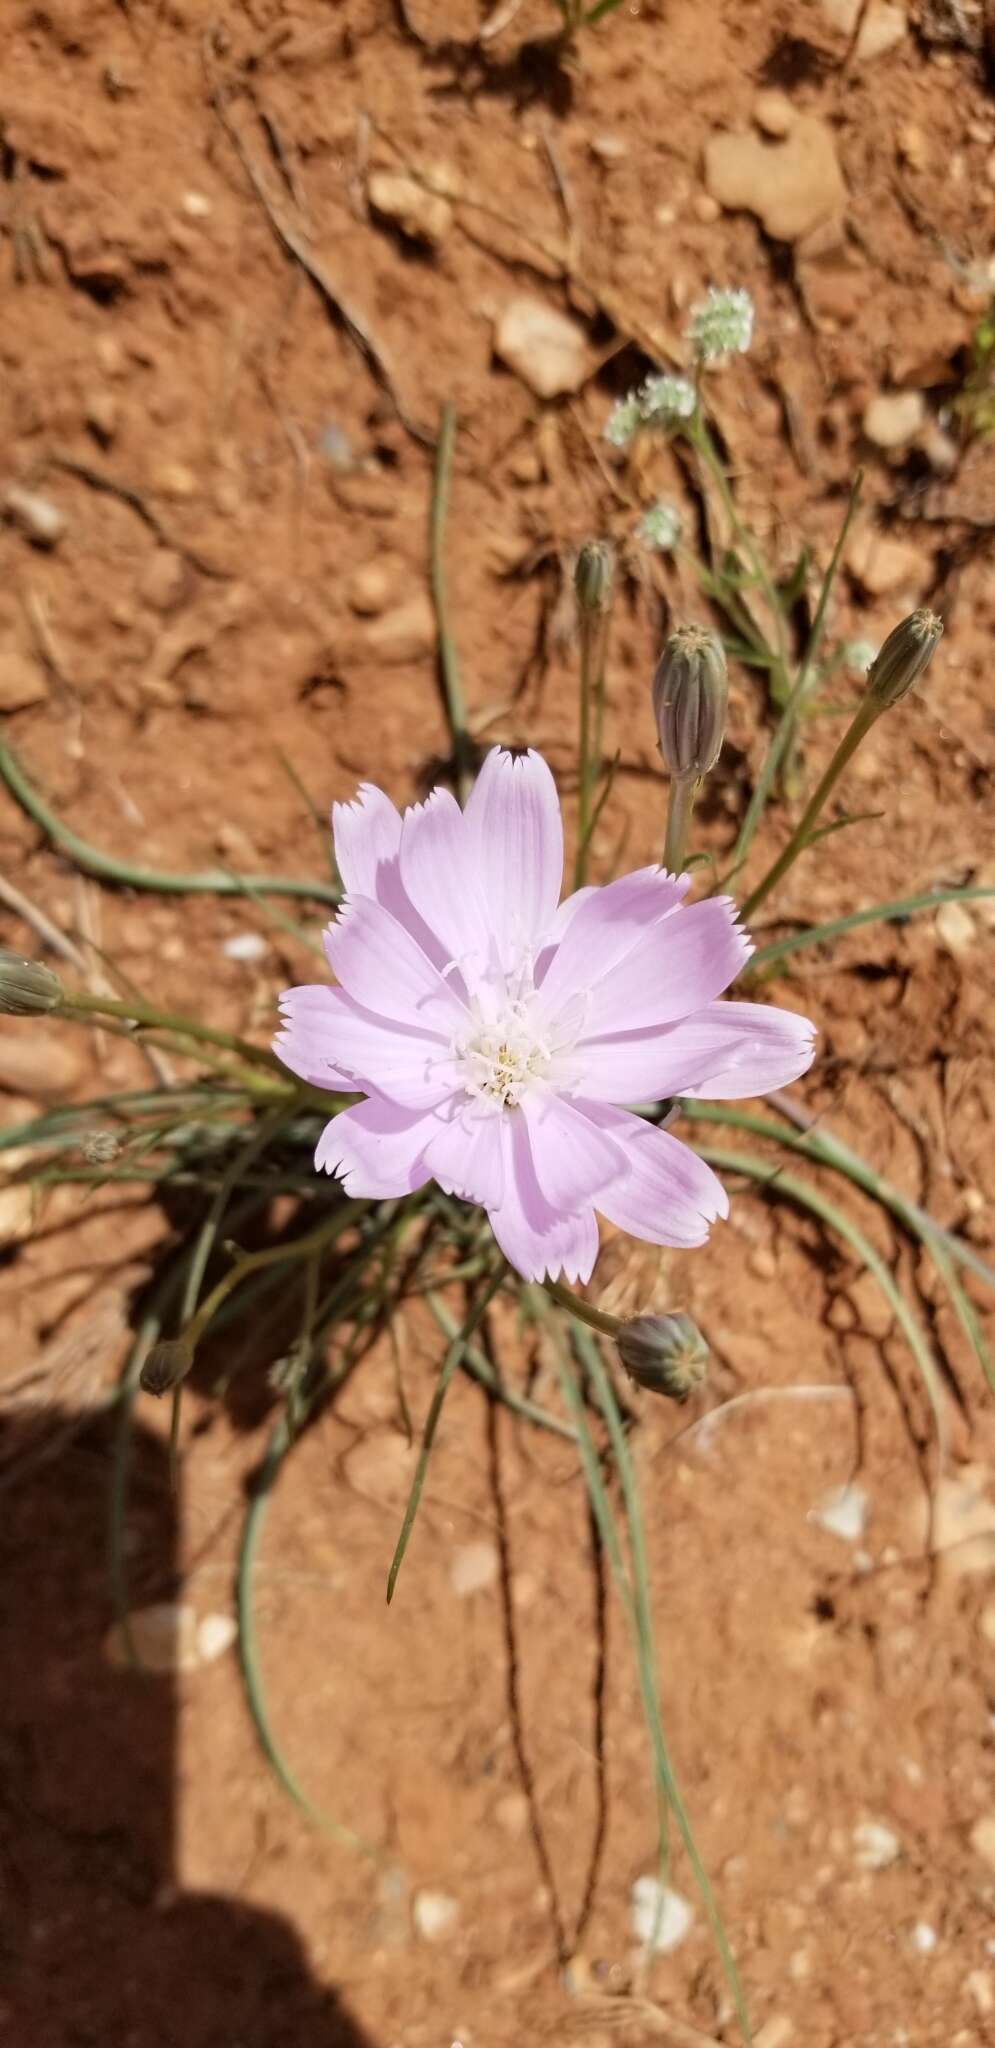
{"x": 223, "y": 367}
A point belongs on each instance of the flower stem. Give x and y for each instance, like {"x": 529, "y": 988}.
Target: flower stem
{"x": 593, "y": 626}
{"x": 858, "y": 729}
{"x": 582, "y": 1312}
{"x": 77, "y": 1004}
{"x": 448, "y": 663}
{"x": 683, "y": 790}
{"x": 701, "y": 441}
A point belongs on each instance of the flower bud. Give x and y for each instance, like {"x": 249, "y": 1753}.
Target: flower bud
{"x": 166, "y": 1365}
{"x": 27, "y": 987}
{"x": 100, "y": 1148}
{"x": 593, "y": 576}
{"x": 690, "y": 694}
{"x": 906, "y": 653}
{"x": 666, "y": 1354}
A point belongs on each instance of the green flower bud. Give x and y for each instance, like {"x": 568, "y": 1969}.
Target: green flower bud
{"x": 666, "y": 1354}
{"x": 166, "y": 1365}
{"x": 27, "y": 987}
{"x": 907, "y": 651}
{"x": 593, "y": 576}
{"x": 690, "y": 695}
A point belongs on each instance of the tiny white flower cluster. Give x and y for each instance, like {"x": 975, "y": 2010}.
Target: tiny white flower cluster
{"x": 721, "y": 324}
{"x": 660, "y": 527}
{"x": 660, "y": 401}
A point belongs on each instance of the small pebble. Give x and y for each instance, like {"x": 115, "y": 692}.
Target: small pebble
{"x": 924, "y": 1938}
{"x": 166, "y": 581}
{"x": 912, "y": 146}
{"x": 196, "y": 205}
{"x": 843, "y": 1513}
{"x": 875, "y": 1846}
{"x": 979, "y": 1988}
{"x": 473, "y": 1568}
{"x": 22, "y": 682}
{"x": 763, "y": 1262}
{"x": 773, "y": 113}
{"x": 40, "y": 520}
{"x": 215, "y": 1634}
{"x": 164, "y": 1638}
{"x": 955, "y": 928}
{"x": 174, "y": 480}
{"x": 983, "y": 1839}
{"x": 434, "y": 1913}
{"x": 658, "y": 1915}
{"x": 100, "y": 410}
{"x": 422, "y": 216}
{"x": 404, "y": 634}
{"x": 775, "y": 2032}
{"x": 546, "y": 350}
{"x": 245, "y": 946}
{"x": 609, "y": 149}
{"x": 371, "y": 589}
{"x": 705, "y": 208}
{"x": 893, "y": 418}
{"x": 110, "y": 355}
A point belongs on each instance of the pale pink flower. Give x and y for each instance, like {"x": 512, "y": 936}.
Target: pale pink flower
{"x": 496, "y": 1036}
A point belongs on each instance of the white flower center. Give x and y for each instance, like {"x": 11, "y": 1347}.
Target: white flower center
{"x": 502, "y": 1056}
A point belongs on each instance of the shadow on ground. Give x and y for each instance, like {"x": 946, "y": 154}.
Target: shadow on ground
{"x": 98, "y": 1946}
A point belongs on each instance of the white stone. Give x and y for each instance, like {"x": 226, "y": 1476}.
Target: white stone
{"x": 36, "y": 516}
{"x": 875, "y": 1845}
{"x": 473, "y": 1567}
{"x": 843, "y": 1513}
{"x": 245, "y": 946}
{"x": 924, "y": 1938}
{"x": 545, "y": 349}
{"x": 792, "y": 186}
{"x": 164, "y": 1638}
{"x": 434, "y": 1913}
{"x": 883, "y": 27}
{"x": 215, "y": 1635}
{"x": 893, "y": 418}
{"x": 421, "y": 215}
{"x": 660, "y": 1917}
{"x": 955, "y": 927}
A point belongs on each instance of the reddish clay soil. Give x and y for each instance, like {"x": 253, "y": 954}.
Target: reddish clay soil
{"x": 227, "y": 455}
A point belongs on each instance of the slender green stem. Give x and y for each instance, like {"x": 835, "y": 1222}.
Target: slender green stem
{"x": 807, "y": 1197}
{"x": 789, "y": 717}
{"x": 582, "y": 1311}
{"x": 77, "y": 1004}
{"x": 593, "y": 634}
{"x": 481, "y": 1369}
{"x": 903, "y": 906}
{"x": 683, "y": 791}
{"x": 864, "y": 717}
{"x": 701, "y": 440}
{"x": 301, "y": 1248}
{"x": 453, "y": 1358}
{"x": 452, "y": 688}
{"x": 641, "y": 1622}
{"x": 212, "y": 882}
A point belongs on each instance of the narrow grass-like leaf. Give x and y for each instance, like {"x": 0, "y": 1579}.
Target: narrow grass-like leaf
{"x": 806, "y": 1197}
{"x": 452, "y": 1359}
{"x": 903, "y": 906}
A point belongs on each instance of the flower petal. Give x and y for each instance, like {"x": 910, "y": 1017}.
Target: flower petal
{"x": 572, "y": 1158}
{"x": 367, "y": 833}
{"x": 437, "y": 872}
{"x": 667, "y": 1195}
{"x": 382, "y": 967}
{"x": 376, "y": 1148}
{"x": 754, "y": 1047}
{"x": 515, "y": 838}
{"x": 535, "y": 1239}
{"x": 638, "y": 1066}
{"x": 466, "y": 1157}
{"x": 303, "y": 1041}
{"x": 334, "y": 1042}
{"x": 669, "y": 973}
{"x": 604, "y": 928}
